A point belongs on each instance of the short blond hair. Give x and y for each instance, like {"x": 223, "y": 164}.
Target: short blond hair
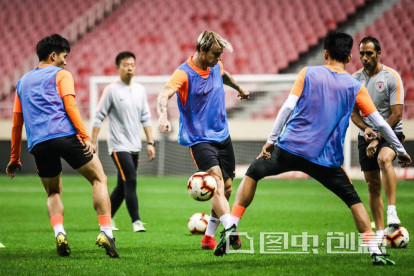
{"x": 207, "y": 38}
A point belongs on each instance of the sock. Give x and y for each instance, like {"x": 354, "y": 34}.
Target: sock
{"x": 106, "y": 224}
{"x": 236, "y": 214}
{"x": 225, "y": 219}
{"x": 379, "y": 235}
{"x": 212, "y": 226}
{"x": 57, "y": 224}
{"x": 369, "y": 238}
{"x": 391, "y": 208}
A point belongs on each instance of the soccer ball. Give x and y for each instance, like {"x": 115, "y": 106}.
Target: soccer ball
{"x": 396, "y": 237}
{"x": 202, "y": 186}
{"x": 198, "y": 222}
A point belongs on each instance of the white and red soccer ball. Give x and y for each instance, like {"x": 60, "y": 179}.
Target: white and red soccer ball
{"x": 396, "y": 237}
{"x": 198, "y": 222}
{"x": 202, "y": 186}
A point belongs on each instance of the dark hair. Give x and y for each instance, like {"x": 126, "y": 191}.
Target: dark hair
{"x": 52, "y": 43}
{"x": 373, "y": 40}
{"x": 123, "y": 55}
{"x": 338, "y": 45}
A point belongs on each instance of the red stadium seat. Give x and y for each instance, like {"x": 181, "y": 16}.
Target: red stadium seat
{"x": 267, "y": 35}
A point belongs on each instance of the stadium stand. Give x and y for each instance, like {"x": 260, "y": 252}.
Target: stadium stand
{"x": 268, "y": 37}
{"x": 252, "y": 54}
{"x": 291, "y": 27}
{"x": 22, "y": 26}
{"x": 154, "y": 31}
{"x": 395, "y": 31}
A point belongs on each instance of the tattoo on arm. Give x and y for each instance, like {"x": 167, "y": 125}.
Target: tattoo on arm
{"x": 163, "y": 100}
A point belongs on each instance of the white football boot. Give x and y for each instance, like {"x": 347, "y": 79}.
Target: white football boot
{"x": 392, "y": 218}
{"x": 138, "y": 226}
{"x": 113, "y": 225}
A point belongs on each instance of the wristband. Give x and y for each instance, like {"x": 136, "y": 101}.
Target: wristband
{"x": 151, "y": 143}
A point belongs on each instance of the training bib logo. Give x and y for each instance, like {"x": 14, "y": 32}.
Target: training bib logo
{"x": 380, "y": 86}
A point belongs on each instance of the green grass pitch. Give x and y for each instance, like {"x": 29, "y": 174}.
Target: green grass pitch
{"x": 168, "y": 248}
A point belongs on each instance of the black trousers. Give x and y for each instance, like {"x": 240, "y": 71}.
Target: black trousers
{"x": 126, "y": 187}
{"x": 334, "y": 179}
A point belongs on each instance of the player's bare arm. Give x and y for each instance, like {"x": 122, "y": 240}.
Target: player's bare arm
{"x": 356, "y": 118}
{"x": 162, "y": 107}
{"x": 150, "y": 146}
{"x": 229, "y": 81}
{"x": 369, "y": 134}
{"x": 94, "y": 139}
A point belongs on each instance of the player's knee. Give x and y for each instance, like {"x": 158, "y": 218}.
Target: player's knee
{"x": 385, "y": 161}
{"x": 218, "y": 176}
{"x": 255, "y": 171}
{"x": 100, "y": 179}
{"x": 131, "y": 179}
{"x": 351, "y": 198}
{"x": 374, "y": 188}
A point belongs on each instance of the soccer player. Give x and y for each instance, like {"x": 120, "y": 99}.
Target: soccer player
{"x": 376, "y": 155}
{"x": 316, "y": 115}
{"x": 125, "y": 103}
{"x": 45, "y": 103}
{"x": 198, "y": 83}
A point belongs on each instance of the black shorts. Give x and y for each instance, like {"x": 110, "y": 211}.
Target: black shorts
{"x": 47, "y": 155}
{"x": 334, "y": 179}
{"x": 371, "y": 163}
{"x": 208, "y": 155}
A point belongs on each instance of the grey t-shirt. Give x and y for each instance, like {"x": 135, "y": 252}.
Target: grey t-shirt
{"x": 386, "y": 89}
{"x": 126, "y": 107}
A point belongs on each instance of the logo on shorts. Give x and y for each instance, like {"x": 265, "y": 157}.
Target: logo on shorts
{"x": 380, "y": 86}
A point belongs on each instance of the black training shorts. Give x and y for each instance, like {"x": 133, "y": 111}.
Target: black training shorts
{"x": 208, "y": 155}
{"x": 47, "y": 155}
{"x": 334, "y": 179}
{"x": 371, "y": 163}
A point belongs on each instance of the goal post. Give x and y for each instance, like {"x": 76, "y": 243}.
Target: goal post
{"x": 250, "y": 122}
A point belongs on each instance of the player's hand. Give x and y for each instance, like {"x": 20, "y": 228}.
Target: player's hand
{"x": 88, "y": 150}
{"x": 163, "y": 124}
{"x": 404, "y": 161}
{"x": 12, "y": 167}
{"x": 369, "y": 134}
{"x": 243, "y": 94}
{"x": 266, "y": 151}
{"x": 151, "y": 152}
{"x": 94, "y": 147}
{"x": 372, "y": 148}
